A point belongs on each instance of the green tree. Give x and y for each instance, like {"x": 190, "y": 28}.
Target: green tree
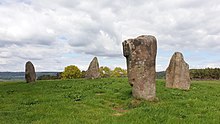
{"x": 119, "y": 72}
{"x": 83, "y": 74}
{"x": 71, "y": 72}
{"x": 105, "y": 71}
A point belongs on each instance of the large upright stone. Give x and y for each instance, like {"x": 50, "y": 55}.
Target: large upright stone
{"x": 93, "y": 70}
{"x": 140, "y": 54}
{"x": 30, "y": 75}
{"x": 177, "y": 73}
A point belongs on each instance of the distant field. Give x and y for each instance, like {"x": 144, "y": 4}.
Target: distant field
{"x": 106, "y": 101}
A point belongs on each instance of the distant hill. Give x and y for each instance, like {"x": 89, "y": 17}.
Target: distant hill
{"x": 20, "y": 75}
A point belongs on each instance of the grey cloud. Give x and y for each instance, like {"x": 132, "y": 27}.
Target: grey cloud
{"x": 4, "y": 43}
{"x": 103, "y": 53}
{"x": 42, "y": 42}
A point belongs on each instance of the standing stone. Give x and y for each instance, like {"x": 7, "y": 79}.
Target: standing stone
{"x": 93, "y": 70}
{"x": 140, "y": 54}
{"x": 30, "y": 75}
{"x": 177, "y": 73}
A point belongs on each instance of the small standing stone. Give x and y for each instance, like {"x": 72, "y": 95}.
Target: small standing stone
{"x": 93, "y": 70}
{"x": 140, "y": 54}
{"x": 177, "y": 73}
{"x": 30, "y": 75}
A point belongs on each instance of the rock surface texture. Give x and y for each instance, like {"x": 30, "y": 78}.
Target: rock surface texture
{"x": 140, "y": 54}
{"x": 30, "y": 75}
{"x": 93, "y": 70}
{"x": 177, "y": 73}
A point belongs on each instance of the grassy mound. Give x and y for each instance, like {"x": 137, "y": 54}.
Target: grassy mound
{"x": 104, "y": 101}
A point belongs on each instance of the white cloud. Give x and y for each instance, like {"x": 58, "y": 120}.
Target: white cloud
{"x": 45, "y": 31}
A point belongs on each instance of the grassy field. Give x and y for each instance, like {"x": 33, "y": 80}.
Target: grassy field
{"x": 106, "y": 101}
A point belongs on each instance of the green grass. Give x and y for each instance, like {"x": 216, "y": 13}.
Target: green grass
{"x": 106, "y": 101}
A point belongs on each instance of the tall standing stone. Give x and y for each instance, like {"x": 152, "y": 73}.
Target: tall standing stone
{"x": 93, "y": 70}
{"x": 177, "y": 73}
{"x": 30, "y": 75}
{"x": 140, "y": 54}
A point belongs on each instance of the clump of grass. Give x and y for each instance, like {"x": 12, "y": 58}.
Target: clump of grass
{"x": 72, "y": 96}
{"x": 30, "y": 102}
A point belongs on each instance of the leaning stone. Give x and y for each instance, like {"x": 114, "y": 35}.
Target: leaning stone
{"x": 177, "y": 73}
{"x": 30, "y": 75}
{"x": 140, "y": 54}
{"x": 93, "y": 70}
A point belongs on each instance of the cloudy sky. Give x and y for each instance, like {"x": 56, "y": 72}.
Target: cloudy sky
{"x": 57, "y": 33}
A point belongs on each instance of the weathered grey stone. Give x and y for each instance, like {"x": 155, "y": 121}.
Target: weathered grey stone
{"x": 140, "y": 54}
{"x": 177, "y": 73}
{"x": 93, "y": 70}
{"x": 30, "y": 75}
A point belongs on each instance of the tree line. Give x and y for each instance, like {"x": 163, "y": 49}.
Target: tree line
{"x": 205, "y": 74}
{"x": 198, "y": 74}
{"x": 72, "y": 72}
